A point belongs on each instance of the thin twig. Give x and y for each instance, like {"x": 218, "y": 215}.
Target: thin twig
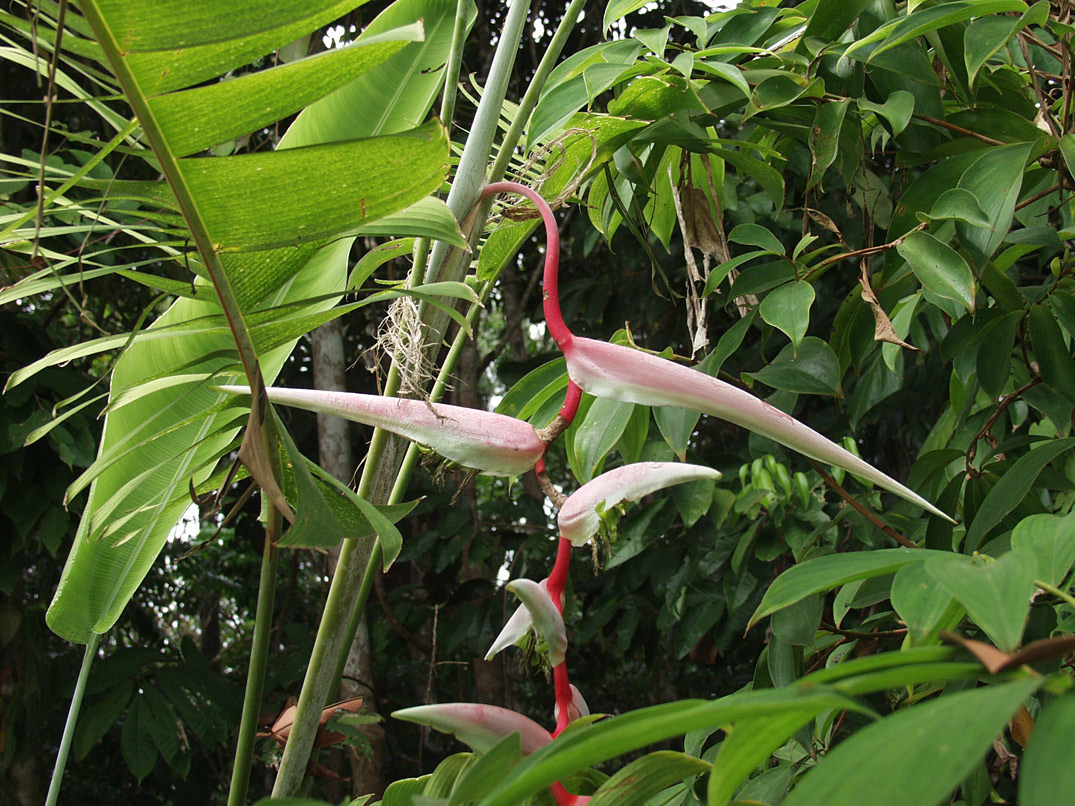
{"x": 1038, "y": 196}
{"x": 858, "y": 634}
{"x": 866, "y": 513}
{"x": 1043, "y": 102}
{"x": 869, "y": 250}
{"x": 1006, "y": 401}
{"x": 944, "y": 124}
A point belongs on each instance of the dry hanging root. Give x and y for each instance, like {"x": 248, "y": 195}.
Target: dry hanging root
{"x": 399, "y": 337}
{"x": 524, "y": 212}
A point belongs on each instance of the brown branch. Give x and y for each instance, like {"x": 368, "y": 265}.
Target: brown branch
{"x": 866, "y": 513}
{"x": 1006, "y": 401}
{"x": 553, "y": 494}
{"x": 1043, "y": 102}
{"x": 857, "y": 634}
{"x": 553, "y": 430}
{"x": 1038, "y": 196}
{"x": 869, "y": 250}
{"x": 944, "y": 124}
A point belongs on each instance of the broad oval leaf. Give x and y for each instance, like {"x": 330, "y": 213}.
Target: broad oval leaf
{"x": 941, "y": 270}
{"x": 787, "y": 308}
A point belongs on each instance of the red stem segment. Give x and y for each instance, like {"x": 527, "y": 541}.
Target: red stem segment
{"x": 562, "y": 336}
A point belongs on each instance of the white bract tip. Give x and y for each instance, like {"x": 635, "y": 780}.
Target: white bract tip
{"x": 576, "y": 710}
{"x": 492, "y": 443}
{"x": 580, "y": 515}
{"x": 620, "y": 373}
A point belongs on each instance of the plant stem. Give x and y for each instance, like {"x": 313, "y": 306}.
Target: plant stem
{"x": 72, "y": 718}
{"x": 451, "y": 72}
{"x": 1055, "y": 591}
{"x": 333, "y": 634}
{"x": 259, "y": 655}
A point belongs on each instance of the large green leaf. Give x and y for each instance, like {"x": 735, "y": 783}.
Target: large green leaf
{"x": 825, "y": 573}
{"x": 939, "y": 743}
{"x": 1046, "y": 774}
{"x": 277, "y": 229}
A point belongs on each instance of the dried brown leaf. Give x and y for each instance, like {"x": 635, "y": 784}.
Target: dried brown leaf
{"x": 882, "y": 325}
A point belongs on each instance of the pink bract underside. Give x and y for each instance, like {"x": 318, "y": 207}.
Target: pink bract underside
{"x": 492, "y": 443}
{"x": 620, "y": 373}
{"x": 579, "y": 519}
{"x": 480, "y": 726}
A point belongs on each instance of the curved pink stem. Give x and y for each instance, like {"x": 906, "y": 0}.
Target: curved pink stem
{"x": 550, "y": 282}
{"x": 551, "y": 289}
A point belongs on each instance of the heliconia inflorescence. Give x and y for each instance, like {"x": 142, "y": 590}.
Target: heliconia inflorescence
{"x": 505, "y": 446}
{"x": 491, "y": 443}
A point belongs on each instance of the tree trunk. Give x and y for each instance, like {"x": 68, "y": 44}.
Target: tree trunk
{"x": 334, "y": 449}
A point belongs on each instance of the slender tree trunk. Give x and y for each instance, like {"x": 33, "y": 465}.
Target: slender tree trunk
{"x": 334, "y": 449}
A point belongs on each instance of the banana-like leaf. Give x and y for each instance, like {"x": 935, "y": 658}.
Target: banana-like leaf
{"x": 265, "y": 226}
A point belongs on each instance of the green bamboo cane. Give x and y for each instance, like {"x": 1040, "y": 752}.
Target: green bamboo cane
{"x": 259, "y": 655}
{"x": 354, "y": 555}
{"x": 72, "y": 718}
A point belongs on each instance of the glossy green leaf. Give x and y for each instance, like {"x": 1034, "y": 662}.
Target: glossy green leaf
{"x": 987, "y": 35}
{"x": 1051, "y": 351}
{"x": 487, "y": 770}
{"x": 1050, "y": 541}
{"x": 941, "y": 270}
{"x": 1012, "y": 487}
{"x": 787, "y": 308}
{"x": 940, "y": 742}
{"x": 676, "y": 426}
{"x": 922, "y": 21}
{"x": 599, "y": 432}
{"x": 427, "y": 218}
{"x": 994, "y": 356}
{"x": 618, "y": 9}
{"x": 825, "y": 573}
{"x": 995, "y": 178}
{"x": 636, "y": 783}
{"x": 923, "y": 605}
{"x": 824, "y": 138}
{"x": 814, "y": 371}
{"x": 749, "y": 744}
{"x": 227, "y": 109}
{"x": 1046, "y": 774}
{"x": 394, "y": 96}
{"x": 995, "y": 594}
{"x": 897, "y": 109}
{"x": 831, "y": 18}
{"x": 627, "y": 732}
{"x": 958, "y": 204}
{"x": 99, "y": 576}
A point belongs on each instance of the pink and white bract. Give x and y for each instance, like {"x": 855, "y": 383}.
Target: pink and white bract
{"x": 620, "y": 373}
{"x": 537, "y": 610}
{"x": 491, "y": 443}
{"x": 478, "y": 726}
{"x": 579, "y": 519}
